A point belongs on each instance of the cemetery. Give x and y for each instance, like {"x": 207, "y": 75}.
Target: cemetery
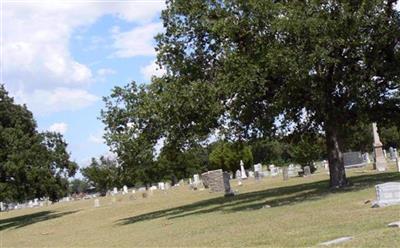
{"x": 200, "y": 123}
{"x": 267, "y": 212}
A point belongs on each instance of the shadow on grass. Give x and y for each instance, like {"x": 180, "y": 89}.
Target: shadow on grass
{"x": 274, "y": 197}
{"x": 25, "y": 220}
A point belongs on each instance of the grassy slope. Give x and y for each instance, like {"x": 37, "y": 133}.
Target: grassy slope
{"x": 303, "y": 213}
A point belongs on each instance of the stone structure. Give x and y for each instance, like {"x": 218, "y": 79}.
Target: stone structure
{"x": 125, "y": 189}
{"x": 387, "y": 194}
{"x": 307, "y": 171}
{"x": 242, "y": 170}
{"x": 380, "y": 163}
{"x": 115, "y": 191}
{"x": 161, "y": 186}
{"x": 285, "y": 172}
{"x": 353, "y": 159}
{"x": 238, "y": 175}
{"x": 398, "y": 163}
{"x": 217, "y": 181}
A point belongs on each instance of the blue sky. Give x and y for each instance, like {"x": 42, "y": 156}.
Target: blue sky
{"x": 61, "y": 57}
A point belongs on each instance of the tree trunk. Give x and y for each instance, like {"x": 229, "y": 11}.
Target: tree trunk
{"x": 336, "y": 165}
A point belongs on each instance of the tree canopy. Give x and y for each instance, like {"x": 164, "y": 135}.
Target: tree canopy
{"x": 32, "y": 164}
{"x": 255, "y": 70}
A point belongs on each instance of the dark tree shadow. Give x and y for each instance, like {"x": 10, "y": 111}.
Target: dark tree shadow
{"x": 275, "y": 197}
{"x": 25, "y": 220}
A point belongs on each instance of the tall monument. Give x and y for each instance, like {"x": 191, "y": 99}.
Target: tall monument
{"x": 380, "y": 163}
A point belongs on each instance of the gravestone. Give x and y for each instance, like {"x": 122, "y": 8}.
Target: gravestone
{"x": 238, "y": 175}
{"x": 366, "y": 158}
{"x": 380, "y": 163}
{"x": 96, "y": 203}
{"x": 167, "y": 186}
{"x": 307, "y": 171}
{"x": 133, "y": 191}
{"x": 242, "y": 170}
{"x": 387, "y": 194}
{"x": 285, "y": 172}
{"x": 257, "y": 167}
{"x": 257, "y": 175}
{"x": 161, "y": 186}
{"x": 398, "y": 163}
{"x": 125, "y": 189}
{"x": 251, "y": 174}
{"x": 2, "y": 207}
{"x": 274, "y": 170}
{"x": 392, "y": 154}
{"x": 115, "y": 191}
{"x": 196, "y": 179}
{"x": 353, "y": 159}
{"x": 218, "y": 181}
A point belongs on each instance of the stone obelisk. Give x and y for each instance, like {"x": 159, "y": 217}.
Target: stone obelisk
{"x": 380, "y": 163}
{"x": 242, "y": 170}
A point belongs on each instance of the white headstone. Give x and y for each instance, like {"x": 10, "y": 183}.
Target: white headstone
{"x": 398, "y": 163}
{"x": 251, "y": 174}
{"x": 196, "y": 178}
{"x": 115, "y": 190}
{"x": 238, "y": 174}
{"x": 161, "y": 186}
{"x": 242, "y": 170}
{"x": 133, "y": 191}
{"x": 387, "y": 194}
{"x": 125, "y": 189}
{"x": 96, "y": 203}
{"x": 258, "y": 167}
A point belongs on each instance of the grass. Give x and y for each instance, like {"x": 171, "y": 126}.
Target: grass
{"x": 302, "y": 212}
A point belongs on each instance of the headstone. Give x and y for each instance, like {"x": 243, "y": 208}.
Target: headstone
{"x": 2, "y": 207}
{"x": 190, "y": 181}
{"x": 251, "y": 174}
{"x": 366, "y": 158}
{"x": 133, "y": 191}
{"x": 380, "y": 163}
{"x": 217, "y": 181}
{"x": 161, "y": 186}
{"x": 398, "y": 164}
{"x": 257, "y": 175}
{"x": 196, "y": 178}
{"x": 167, "y": 186}
{"x": 307, "y": 171}
{"x": 274, "y": 170}
{"x": 392, "y": 154}
{"x": 285, "y": 172}
{"x": 96, "y": 203}
{"x": 387, "y": 194}
{"x": 238, "y": 175}
{"x": 115, "y": 191}
{"x": 141, "y": 189}
{"x": 227, "y": 185}
{"x": 353, "y": 159}
{"x": 242, "y": 170}
{"x": 258, "y": 167}
{"x": 153, "y": 187}
{"x": 125, "y": 190}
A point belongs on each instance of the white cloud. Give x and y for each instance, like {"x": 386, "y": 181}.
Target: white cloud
{"x": 137, "y": 42}
{"x": 151, "y": 69}
{"x": 96, "y": 138}
{"x": 37, "y": 60}
{"x": 103, "y": 72}
{"x": 59, "y": 127}
{"x": 60, "y": 99}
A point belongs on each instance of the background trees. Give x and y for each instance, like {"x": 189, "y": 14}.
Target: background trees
{"x": 32, "y": 164}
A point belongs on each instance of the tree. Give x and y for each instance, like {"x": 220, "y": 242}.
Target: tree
{"x": 32, "y": 164}
{"x": 325, "y": 65}
{"x": 77, "y": 186}
{"x": 226, "y": 156}
{"x": 103, "y": 174}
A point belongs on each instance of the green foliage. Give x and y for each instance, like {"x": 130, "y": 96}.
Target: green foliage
{"x": 78, "y": 186}
{"x": 32, "y": 164}
{"x": 227, "y": 156}
{"x": 103, "y": 174}
{"x": 390, "y": 136}
{"x": 323, "y": 66}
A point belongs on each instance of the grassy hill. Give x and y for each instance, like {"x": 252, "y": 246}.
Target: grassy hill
{"x": 272, "y": 212}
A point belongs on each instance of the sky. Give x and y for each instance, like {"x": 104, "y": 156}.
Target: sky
{"x": 61, "y": 57}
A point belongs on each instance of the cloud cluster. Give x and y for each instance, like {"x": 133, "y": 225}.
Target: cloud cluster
{"x": 38, "y": 67}
{"x": 59, "y": 127}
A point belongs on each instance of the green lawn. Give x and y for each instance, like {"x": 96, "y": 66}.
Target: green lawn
{"x": 303, "y": 212}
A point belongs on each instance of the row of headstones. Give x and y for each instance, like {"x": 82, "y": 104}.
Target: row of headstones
{"x": 125, "y": 190}
{"x": 30, "y": 204}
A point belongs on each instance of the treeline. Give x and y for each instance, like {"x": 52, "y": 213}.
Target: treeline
{"x": 32, "y": 164}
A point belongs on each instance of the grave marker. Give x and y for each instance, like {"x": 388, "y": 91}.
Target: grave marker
{"x": 387, "y": 194}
